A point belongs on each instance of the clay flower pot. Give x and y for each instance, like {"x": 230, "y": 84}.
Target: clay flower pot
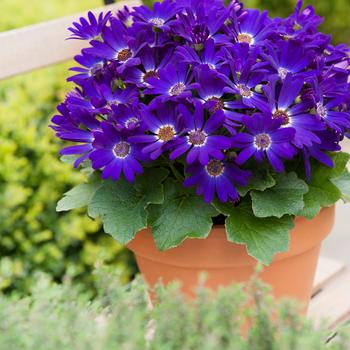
{"x": 291, "y": 274}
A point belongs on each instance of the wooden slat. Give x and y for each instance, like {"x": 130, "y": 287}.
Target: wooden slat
{"x": 327, "y": 270}
{"x": 332, "y": 303}
{"x": 43, "y": 44}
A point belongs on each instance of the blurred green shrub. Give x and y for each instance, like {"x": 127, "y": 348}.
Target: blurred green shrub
{"x": 336, "y": 14}
{"x": 33, "y": 237}
{"x": 59, "y": 317}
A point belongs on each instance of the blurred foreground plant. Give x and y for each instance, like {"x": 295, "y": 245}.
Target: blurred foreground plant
{"x": 65, "y": 317}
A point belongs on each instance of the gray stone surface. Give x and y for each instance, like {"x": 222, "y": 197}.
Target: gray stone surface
{"x": 337, "y": 245}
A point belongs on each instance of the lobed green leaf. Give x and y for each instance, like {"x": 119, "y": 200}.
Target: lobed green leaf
{"x": 182, "y": 215}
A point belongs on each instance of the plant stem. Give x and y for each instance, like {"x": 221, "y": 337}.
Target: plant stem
{"x": 176, "y": 173}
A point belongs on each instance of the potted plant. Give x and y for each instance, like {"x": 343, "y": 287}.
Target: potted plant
{"x": 211, "y": 134}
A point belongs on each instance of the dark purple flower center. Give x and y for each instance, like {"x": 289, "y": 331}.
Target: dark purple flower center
{"x": 166, "y": 133}
{"x": 197, "y": 137}
{"x": 218, "y": 106}
{"x": 279, "y": 114}
{"x": 215, "y": 168}
{"x": 177, "y": 89}
{"x": 121, "y": 149}
{"x": 245, "y": 91}
{"x": 321, "y": 110}
{"x": 262, "y": 141}
{"x": 157, "y": 21}
{"x": 149, "y": 74}
{"x": 124, "y": 55}
{"x": 244, "y": 38}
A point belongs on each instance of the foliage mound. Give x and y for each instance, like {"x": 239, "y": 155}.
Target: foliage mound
{"x": 119, "y": 317}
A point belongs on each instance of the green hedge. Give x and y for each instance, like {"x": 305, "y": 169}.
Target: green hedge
{"x": 59, "y": 317}
{"x": 33, "y": 237}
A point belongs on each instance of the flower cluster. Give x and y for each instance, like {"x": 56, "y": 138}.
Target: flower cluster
{"x": 213, "y": 91}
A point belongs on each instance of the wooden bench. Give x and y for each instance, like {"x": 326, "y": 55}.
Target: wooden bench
{"x": 44, "y": 44}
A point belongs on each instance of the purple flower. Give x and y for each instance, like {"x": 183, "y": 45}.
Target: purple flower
{"x": 329, "y": 143}
{"x": 211, "y": 92}
{"x": 91, "y": 67}
{"x": 303, "y": 20}
{"x": 117, "y": 46}
{"x": 218, "y": 177}
{"x": 124, "y": 15}
{"x": 208, "y": 56}
{"x": 291, "y": 114}
{"x": 160, "y": 16}
{"x": 150, "y": 65}
{"x": 243, "y": 83}
{"x": 115, "y": 97}
{"x": 174, "y": 83}
{"x": 329, "y": 110}
{"x": 91, "y": 28}
{"x": 200, "y": 140}
{"x": 199, "y": 22}
{"x": 67, "y": 124}
{"x": 126, "y": 118}
{"x": 115, "y": 155}
{"x": 291, "y": 57}
{"x": 252, "y": 27}
{"x": 265, "y": 138}
{"x": 164, "y": 126}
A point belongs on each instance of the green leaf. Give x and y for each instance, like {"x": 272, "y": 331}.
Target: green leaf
{"x": 285, "y": 198}
{"x": 343, "y": 184}
{"x": 263, "y": 237}
{"x": 79, "y": 196}
{"x": 149, "y": 184}
{"x": 122, "y": 206}
{"x": 182, "y": 215}
{"x": 260, "y": 182}
{"x": 322, "y": 190}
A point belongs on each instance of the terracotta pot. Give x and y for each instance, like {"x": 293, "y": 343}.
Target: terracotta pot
{"x": 291, "y": 274}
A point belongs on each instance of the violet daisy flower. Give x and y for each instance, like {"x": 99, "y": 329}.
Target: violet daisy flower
{"x": 291, "y": 114}
{"x": 114, "y": 97}
{"x": 252, "y": 27}
{"x": 115, "y": 155}
{"x": 211, "y": 92}
{"x": 217, "y": 177}
{"x": 126, "y": 118}
{"x": 67, "y": 126}
{"x": 264, "y": 138}
{"x": 159, "y": 17}
{"x": 124, "y": 15}
{"x": 116, "y": 46}
{"x": 291, "y": 57}
{"x": 149, "y": 65}
{"x": 91, "y": 67}
{"x": 329, "y": 143}
{"x": 329, "y": 111}
{"x": 208, "y": 56}
{"x": 173, "y": 83}
{"x": 91, "y": 28}
{"x": 243, "y": 85}
{"x": 197, "y": 24}
{"x": 200, "y": 140}
{"x": 302, "y": 20}
{"x": 164, "y": 126}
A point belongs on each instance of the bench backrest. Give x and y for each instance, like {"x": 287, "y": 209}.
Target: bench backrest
{"x": 43, "y": 44}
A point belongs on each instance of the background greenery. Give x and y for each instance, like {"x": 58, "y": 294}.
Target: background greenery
{"x": 63, "y": 316}
{"x": 33, "y": 237}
